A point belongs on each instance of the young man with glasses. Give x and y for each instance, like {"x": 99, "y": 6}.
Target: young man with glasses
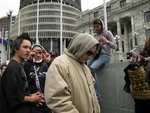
{"x": 69, "y": 83}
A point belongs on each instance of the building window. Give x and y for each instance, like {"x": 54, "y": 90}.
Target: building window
{"x": 122, "y": 3}
{"x": 147, "y": 16}
{"x": 108, "y": 9}
{"x": 96, "y": 14}
{"x": 131, "y": 44}
{"x": 117, "y": 46}
{"x": 122, "y": 30}
{"x": 122, "y": 46}
{"x": 147, "y": 32}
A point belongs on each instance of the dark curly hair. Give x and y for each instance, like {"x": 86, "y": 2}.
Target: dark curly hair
{"x": 18, "y": 41}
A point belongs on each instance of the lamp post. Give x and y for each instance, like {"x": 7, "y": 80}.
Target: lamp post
{"x": 9, "y": 15}
{"x": 61, "y": 27}
{"x": 117, "y": 41}
{"x": 105, "y": 14}
{"x": 135, "y": 34}
{"x": 2, "y": 44}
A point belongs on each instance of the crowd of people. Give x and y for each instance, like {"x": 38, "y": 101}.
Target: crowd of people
{"x": 35, "y": 81}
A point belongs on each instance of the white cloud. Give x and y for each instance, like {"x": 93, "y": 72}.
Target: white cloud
{"x": 7, "y": 5}
{"x": 90, "y": 4}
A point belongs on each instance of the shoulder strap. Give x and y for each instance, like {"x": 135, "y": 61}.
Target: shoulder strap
{"x": 105, "y": 33}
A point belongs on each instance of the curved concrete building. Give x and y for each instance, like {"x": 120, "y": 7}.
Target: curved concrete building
{"x": 44, "y": 17}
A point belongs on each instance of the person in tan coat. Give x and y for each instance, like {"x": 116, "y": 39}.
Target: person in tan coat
{"x": 69, "y": 86}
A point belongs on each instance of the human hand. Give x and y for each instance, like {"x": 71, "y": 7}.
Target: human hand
{"x": 41, "y": 100}
{"x": 37, "y": 97}
{"x": 46, "y": 56}
{"x": 104, "y": 39}
{"x": 32, "y": 54}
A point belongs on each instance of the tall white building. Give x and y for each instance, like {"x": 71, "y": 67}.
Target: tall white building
{"x": 46, "y": 16}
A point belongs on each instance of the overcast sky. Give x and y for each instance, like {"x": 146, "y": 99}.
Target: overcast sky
{"x": 7, "y": 5}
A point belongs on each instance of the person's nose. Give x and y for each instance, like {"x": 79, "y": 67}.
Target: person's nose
{"x": 28, "y": 49}
{"x": 38, "y": 54}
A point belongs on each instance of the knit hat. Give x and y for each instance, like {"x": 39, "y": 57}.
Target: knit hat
{"x": 36, "y": 45}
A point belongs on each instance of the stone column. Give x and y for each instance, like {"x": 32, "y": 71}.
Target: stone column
{"x": 133, "y": 30}
{"x": 119, "y": 35}
{"x": 118, "y": 55}
{"x": 126, "y": 40}
{"x": 51, "y": 44}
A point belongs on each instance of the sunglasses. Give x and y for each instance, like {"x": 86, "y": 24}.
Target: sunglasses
{"x": 90, "y": 53}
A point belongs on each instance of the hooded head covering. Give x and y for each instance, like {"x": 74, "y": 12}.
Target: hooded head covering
{"x": 36, "y": 45}
{"x": 100, "y": 22}
{"x": 81, "y": 43}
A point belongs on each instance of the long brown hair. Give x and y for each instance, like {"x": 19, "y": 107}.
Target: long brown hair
{"x": 147, "y": 47}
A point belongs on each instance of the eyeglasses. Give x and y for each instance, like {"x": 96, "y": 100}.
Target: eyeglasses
{"x": 90, "y": 53}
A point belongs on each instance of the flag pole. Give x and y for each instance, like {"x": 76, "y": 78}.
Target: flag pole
{"x": 61, "y": 27}
{"x": 105, "y": 14}
{"x": 37, "y": 39}
{"x": 19, "y": 25}
{"x": 2, "y": 46}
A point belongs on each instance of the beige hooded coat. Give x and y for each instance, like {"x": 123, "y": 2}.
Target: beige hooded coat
{"x": 69, "y": 83}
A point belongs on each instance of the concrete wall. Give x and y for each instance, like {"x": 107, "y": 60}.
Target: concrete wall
{"x": 114, "y": 98}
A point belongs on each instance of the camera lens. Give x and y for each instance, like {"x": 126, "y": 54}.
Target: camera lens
{"x": 40, "y": 51}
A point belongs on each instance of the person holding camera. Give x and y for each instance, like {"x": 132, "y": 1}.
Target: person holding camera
{"x": 35, "y": 68}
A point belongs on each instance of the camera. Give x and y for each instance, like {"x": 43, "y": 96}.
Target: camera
{"x": 129, "y": 55}
{"x": 40, "y": 51}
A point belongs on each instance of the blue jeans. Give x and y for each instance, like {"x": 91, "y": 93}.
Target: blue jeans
{"x": 95, "y": 65}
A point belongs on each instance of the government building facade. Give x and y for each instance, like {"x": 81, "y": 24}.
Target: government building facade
{"x": 128, "y": 20}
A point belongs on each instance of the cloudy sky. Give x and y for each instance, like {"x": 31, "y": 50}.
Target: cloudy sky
{"x": 6, "y": 5}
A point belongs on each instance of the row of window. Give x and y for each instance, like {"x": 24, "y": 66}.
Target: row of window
{"x": 50, "y": 19}
{"x": 49, "y": 27}
{"x": 51, "y": 34}
{"x": 48, "y": 13}
{"x": 146, "y": 16}
{"x": 46, "y": 43}
{"x": 108, "y": 9}
{"x": 51, "y": 6}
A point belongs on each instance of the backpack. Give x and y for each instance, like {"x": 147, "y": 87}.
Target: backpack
{"x": 137, "y": 79}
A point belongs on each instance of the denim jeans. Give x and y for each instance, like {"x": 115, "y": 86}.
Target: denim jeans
{"x": 95, "y": 65}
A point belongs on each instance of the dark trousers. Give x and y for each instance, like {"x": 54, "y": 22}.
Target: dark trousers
{"x": 142, "y": 106}
{"x": 41, "y": 109}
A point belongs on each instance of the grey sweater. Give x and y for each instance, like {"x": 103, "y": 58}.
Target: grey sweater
{"x": 106, "y": 48}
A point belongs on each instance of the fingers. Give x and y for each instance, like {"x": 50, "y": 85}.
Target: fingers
{"x": 103, "y": 39}
{"x": 38, "y": 98}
